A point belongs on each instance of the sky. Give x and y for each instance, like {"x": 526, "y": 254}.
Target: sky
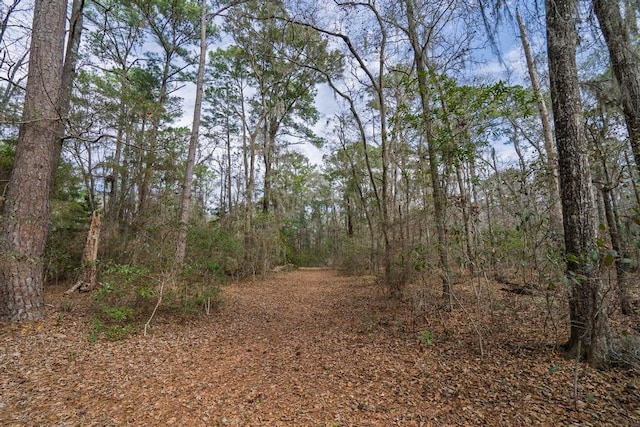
{"x": 326, "y": 102}
{"x": 512, "y": 68}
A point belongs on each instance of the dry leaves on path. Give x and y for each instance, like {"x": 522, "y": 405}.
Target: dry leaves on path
{"x": 304, "y": 348}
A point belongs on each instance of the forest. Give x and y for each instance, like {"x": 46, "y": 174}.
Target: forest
{"x": 303, "y": 212}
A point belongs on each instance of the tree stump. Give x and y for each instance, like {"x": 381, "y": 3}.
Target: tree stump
{"x": 88, "y": 279}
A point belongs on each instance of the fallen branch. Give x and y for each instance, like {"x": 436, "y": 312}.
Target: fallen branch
{"x": 146, "y": 325}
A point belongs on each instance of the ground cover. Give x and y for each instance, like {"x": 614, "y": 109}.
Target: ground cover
{"x": 312, "y": 348}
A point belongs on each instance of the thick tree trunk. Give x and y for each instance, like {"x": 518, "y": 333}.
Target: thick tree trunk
{"x": 587, "y": 303}
{"x": 25, "y": 218}
{"x": 625, "y": 63}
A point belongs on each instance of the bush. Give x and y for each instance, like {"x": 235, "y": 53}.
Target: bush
{"x": 129, "y": 294}
{"x": 126, "y": 295}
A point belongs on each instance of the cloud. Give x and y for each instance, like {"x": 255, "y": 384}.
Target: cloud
{"x": 512, "y": 68}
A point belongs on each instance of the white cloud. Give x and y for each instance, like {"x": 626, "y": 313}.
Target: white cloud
{"x": 513, "y": 67}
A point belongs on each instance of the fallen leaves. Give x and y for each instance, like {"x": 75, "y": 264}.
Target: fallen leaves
{"x": 308, "y": 347}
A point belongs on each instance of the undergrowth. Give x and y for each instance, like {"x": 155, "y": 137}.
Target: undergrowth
{"x": 130, "y": 294}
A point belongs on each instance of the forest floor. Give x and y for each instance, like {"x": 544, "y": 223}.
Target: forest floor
{"x": 313, "y": 348}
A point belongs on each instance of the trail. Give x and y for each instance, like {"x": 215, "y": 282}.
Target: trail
{"x": 304, "y": 348}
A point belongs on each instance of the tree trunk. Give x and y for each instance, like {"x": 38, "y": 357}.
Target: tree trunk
{"x": 438, "y": 193}
{"x": 555, "y": 207}
{"x": 618, "y": 245}
{"x": 268, "y": 148}
{"x": 465, "y": 207}
{"x": 229, "y": 174}
{"x": 625, "y": 63}
{"x": 88, "y": 279}
{"x": 587, "y": 304}
{"x": 25, "y": 217}
{"x": 114, "y": 208}
{"x": 185, "y": 208}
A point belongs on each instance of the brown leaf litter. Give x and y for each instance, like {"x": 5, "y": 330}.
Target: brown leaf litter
{"x": 308, "y": 348}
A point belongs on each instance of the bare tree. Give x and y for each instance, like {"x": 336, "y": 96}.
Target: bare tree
{"x": 625, "y": 63}
{"x": 555, "y": 207}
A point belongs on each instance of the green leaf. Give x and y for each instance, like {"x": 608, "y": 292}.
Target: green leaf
{"x": 609, "y": 259}
{"x": 426, "y": 337}
{"x": 573, "y": 258}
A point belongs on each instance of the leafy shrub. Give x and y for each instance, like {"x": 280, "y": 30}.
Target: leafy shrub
{"x": 129, "y": 294}
{"x": 200, "y": 290}
{"x": 120, "y": 303}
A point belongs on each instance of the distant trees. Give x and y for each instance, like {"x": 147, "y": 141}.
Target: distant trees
{"x": 263, "y": 98}
{"x": 414, "y": 187}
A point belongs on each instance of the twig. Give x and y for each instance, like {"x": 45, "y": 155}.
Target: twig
{"x": 575, "y": 376}
{"x": 146, "y": 325}
{"x": 473, "y": 324}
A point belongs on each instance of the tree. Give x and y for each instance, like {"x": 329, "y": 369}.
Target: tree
{"x": 439, "y": 196}
{"x": 229, "y": 109}
{"x": 195, "y": 130}
{"x": 360, "y": 49}
{"x": 173, "y": 24}
{"x": 284, "y": 99}
{"x": 625, "y": 63}
{"x": 185, "y": 200}
{"x": 25, "y": 217}
{"x": 555, "y": 208}
{"x": 587, "y": 302}
{"x": 116, "y": 35}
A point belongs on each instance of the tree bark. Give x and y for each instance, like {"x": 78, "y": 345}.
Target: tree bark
{"x": 555, "y": 207}
{"x": 625, "y": 63}
{"x": 25, "y": 217}
{"x": 68, "y": 75}
{"x": 88, "y": 279}
{"x": 619, "y": 245}
{"x": 439, "y": 203}
{"x": 587, "y": 303}
{"x": 185, "y": 208}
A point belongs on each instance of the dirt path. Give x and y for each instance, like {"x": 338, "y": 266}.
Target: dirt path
{"x": 306, "y": 348}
